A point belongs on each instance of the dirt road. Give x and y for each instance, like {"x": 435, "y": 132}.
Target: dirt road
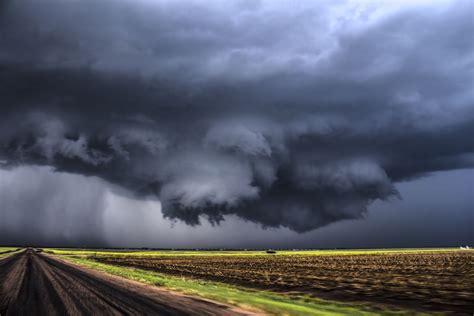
{"x": 36, "y": 284}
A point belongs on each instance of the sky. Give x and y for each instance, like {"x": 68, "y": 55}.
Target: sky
{"x": 220, "y": 124}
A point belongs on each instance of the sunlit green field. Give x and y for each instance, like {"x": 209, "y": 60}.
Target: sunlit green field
{"x": 338, "y": 252}
{"x": 3, "y": 249}
{"x": 6, "y": 251}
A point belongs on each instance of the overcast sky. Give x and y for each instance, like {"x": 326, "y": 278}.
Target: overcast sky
{"x": 237, "y": 123}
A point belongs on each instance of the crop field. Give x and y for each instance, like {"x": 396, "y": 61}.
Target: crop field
{"x": 5, "y": 251}
{"x": 426, "y": 280}
{"x": 246, "y": 253}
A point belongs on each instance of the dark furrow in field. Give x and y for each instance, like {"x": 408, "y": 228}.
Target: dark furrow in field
{"x": 35, "y": 284}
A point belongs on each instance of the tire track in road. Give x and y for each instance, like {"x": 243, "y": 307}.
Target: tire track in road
{"x": 35, "y": 284}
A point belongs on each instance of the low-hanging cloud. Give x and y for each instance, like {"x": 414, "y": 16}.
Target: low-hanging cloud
{"x": 284, "y": 114}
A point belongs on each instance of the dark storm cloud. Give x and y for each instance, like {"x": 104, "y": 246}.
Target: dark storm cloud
{"x": 282, "y": 113}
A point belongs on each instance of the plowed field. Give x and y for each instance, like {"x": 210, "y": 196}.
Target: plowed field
{"x": 428, "y": 281}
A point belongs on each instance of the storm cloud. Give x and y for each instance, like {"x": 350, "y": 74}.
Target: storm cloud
{"x": 286, "y": 114}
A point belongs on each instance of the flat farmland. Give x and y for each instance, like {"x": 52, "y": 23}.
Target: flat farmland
{"x": 5, "y": 251}
{"x": 425, "y": 280}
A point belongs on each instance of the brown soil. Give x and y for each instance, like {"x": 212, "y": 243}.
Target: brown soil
{"x": 442, "y": 282}
{"x": 32, "y": 283}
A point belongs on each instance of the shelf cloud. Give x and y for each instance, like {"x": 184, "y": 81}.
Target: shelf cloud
{"x": 285, "y": 114}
